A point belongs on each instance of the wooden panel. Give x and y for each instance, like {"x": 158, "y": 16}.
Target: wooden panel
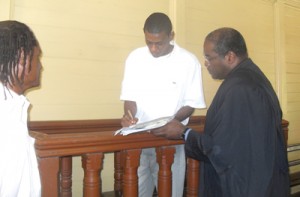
{"x": 292, "y": 43}
{"x": 85, "y": 44}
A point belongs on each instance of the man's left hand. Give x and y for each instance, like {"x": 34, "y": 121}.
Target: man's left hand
{"x": 172, "y": 130}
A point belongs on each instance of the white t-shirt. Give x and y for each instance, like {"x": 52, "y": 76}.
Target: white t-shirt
{"x": 161, "y": 86}
{"x": 19, "y": 175}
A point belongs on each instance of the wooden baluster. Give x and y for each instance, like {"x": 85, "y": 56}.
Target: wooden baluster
{"x": 130, "y": 178}
{"x": 192, "y": 176}
{"x": 92, "y": 165}
{"x": 49, "y": 168}
{"x": 165, "y": 158}
{"x": 118, "y": 173}
{"x": 66, "y": 176}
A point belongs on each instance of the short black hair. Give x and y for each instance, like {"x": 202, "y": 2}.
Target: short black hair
{"x": 228, "y": 39}
{"x": 157, "y": 23}
{"x": 15, "y": 38}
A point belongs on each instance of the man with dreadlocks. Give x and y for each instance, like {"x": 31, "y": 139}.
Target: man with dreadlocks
{"x": 20, "y": 68}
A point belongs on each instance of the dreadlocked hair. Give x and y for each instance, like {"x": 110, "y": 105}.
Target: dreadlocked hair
{"x": 16, "y": 41}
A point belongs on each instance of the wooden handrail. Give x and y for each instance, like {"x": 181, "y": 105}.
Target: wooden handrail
{"x": 93, "y": 141}
{"x": 57, "y": 141}
{"x": 75, "y": 137}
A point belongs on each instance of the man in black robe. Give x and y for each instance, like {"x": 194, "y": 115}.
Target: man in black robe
{"x": 242, "y": 149}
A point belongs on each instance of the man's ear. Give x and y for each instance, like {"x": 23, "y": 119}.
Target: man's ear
{"x": 172, "y": 35}
{"x": 231, "y": 58}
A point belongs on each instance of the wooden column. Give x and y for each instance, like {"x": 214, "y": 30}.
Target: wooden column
{"x": 130, "y": 178}
{"x": 118, "y": 173}
{"x": 165, "y": 158}
{"x": 66, "y": 176}
{"x": 92, "y": 165}
{"x": 49, "y": 168}
{"x": 192, "y": 177}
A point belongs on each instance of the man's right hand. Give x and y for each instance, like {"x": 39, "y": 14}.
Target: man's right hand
{"x": 127, "y": 120}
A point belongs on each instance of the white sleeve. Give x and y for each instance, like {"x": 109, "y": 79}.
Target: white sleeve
{"x": 129, "y": 91}
{"x": 194, "y": 96}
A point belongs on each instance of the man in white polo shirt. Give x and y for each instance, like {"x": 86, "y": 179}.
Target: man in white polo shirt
{"x": 160, "y": 79}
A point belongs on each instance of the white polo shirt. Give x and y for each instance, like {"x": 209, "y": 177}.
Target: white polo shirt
{"x": 161, "y": 86}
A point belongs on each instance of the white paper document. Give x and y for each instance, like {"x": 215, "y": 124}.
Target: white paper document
{"x": 152, "y": 124}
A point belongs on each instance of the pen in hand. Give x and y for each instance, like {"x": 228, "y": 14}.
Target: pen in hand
{"x": 131, "y": 117}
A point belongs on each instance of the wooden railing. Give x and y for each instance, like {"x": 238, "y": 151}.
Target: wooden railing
{"x": 58, "y": 141}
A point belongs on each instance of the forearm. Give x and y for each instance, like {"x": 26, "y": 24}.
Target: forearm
{"x": 184, "y": 113}
{"x": 130, "y": 106}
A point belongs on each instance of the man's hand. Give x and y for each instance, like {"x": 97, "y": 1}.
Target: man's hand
{"x": 172, "y": 130}
{"x": 128, "y": 120}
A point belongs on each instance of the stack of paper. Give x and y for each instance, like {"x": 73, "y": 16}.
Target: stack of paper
{"x": 145, "y": 126}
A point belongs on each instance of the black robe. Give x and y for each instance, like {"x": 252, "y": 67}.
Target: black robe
{"x": 242, "y": 150}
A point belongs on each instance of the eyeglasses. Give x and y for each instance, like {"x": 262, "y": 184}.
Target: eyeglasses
{"x": 209, "y": 59}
